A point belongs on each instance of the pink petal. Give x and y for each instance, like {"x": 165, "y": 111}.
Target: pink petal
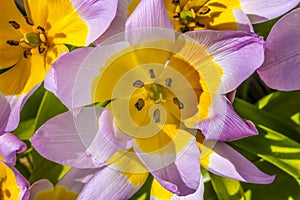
{"x": 119, "y": 180}
{"x": 97, "y": 14}
{"x": 262, "y": 10}
{"x": 238, "y": 54}
{"x": 118, "y": 23}
{"x": 149, "y": 21}
{"x": 75, "y": 179}
{"x": 281, "y": 67}
{"x": 65, "y": 130}
{"x": 149, "y": 13}
{"x": 173, "y": 170}
{"x": 61, "y": 77}
{"x": 10, "y": 145}
{"x": 224, "y": 124}
{"x": 5, "y": 111}
{"x": 242, "y": 20}
{"x": 225, "y": 161}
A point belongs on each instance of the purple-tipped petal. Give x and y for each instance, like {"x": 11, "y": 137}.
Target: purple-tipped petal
{"x": 65, "y": 130}
{"x": 118, "y": 23}
{"x": 75, "y": 179}
{"x": 10, "y": 145}
{"x": 148, "y": 22}
{"x": 97, "y": 14}
{"x": 238, "y": 54}
{"x": 159, "y": 192}
{"x": 172, "y": 169}
{"x": 108, "y": 140}
{"x": 148, "y": 14}
{"x": 5, "y": 111}
{"x": 281, "y": 69}
{"x": 224, "y": 124}
{"x": 61, "y": 77}
{"x": 39, "y": 186}
{"x": 125, "y": 173}
{"x": 262, "y": 10}
{"x": 225, "y": 161}
{"x": 242, "y": 20}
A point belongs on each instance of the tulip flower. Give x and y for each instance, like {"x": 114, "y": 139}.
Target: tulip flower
{"x": 30, "y": 44}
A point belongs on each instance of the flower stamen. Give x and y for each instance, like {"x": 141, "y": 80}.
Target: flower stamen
{"x": 168, "y": 82}
{"x": 33, "y": 42}
{"x": 156, "y": 116}
{"x": 12, "y": 42}
{"x": 14, "y": 24}
{"x": 189, "y": 16}
{"x": 152, "y": 75}
{"x": 27, "y": 53}
{"x": 178, "y": 103}
{"x": 138, "y": 84}
{"x": 139, "y": 104}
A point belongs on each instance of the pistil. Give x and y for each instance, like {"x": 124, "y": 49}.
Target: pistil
{"x": 188, "y": 16}
{"x": 33, "y": 42}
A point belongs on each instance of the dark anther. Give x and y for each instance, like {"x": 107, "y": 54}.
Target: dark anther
{"x": 152, "y": 75}
{"x": 41, "y": 29}
{"x": 29, "y": 21}
{"x": 138, "y": 84}
{"x": 27, "y": 53}
{"x": 12, "y": 42}
{"x": 156, "y": 116}
{"x": 204, "y": 10}
{"x": 168, "y": 82}
{"x": 176, "y": 16}
{"x": 41, "y": 49}
{"x": 139, "y": 104}
{"x": 184, "y": 29}
{"x": 178, "y": 103}
{"x": 176, "y": 2}
{"x": 14, "y": 24}
{"x": 199, "y": 24}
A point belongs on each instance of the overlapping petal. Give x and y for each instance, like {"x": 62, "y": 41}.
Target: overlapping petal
{"x": 67, "y": 188}
{"x": 124, "y": 171}
{"x": 53, "y": 137}
{"x": 238, "y": 54}
{"x": 171, "y": 164}
{"x": 158, "y": 192}
{"x": 281, "y": 67}
{"x": 13, "y": 184}
{"x": 10, "y": 146}
{"x": 224, "y": 124}
{"x": 262, "y": 10}
{"x": 225, "y": 161}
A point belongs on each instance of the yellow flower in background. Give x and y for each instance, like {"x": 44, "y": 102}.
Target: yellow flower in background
{"x": 30, "y": 44}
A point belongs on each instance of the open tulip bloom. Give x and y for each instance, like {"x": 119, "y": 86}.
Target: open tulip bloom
{"x": 30, "y": 44}
{"x": 188, "y": 15}
{"x": 166, "y": 92}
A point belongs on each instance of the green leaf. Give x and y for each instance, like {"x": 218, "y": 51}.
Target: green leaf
{"x": 283, "y": 104}
{"x": 278, "y": 139}
{"x": 227, "y": 189}
{"x": 275, "y": 148}
{"x": 144, "y": 192}
{"x": 267, "y": 119}
{"x": 283, "y": 187}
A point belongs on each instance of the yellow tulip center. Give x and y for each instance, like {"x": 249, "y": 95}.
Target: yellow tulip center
{"x": 33, "y": 42}
{"x": 149, "y": 94}
{"x": 189, "y": 15}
